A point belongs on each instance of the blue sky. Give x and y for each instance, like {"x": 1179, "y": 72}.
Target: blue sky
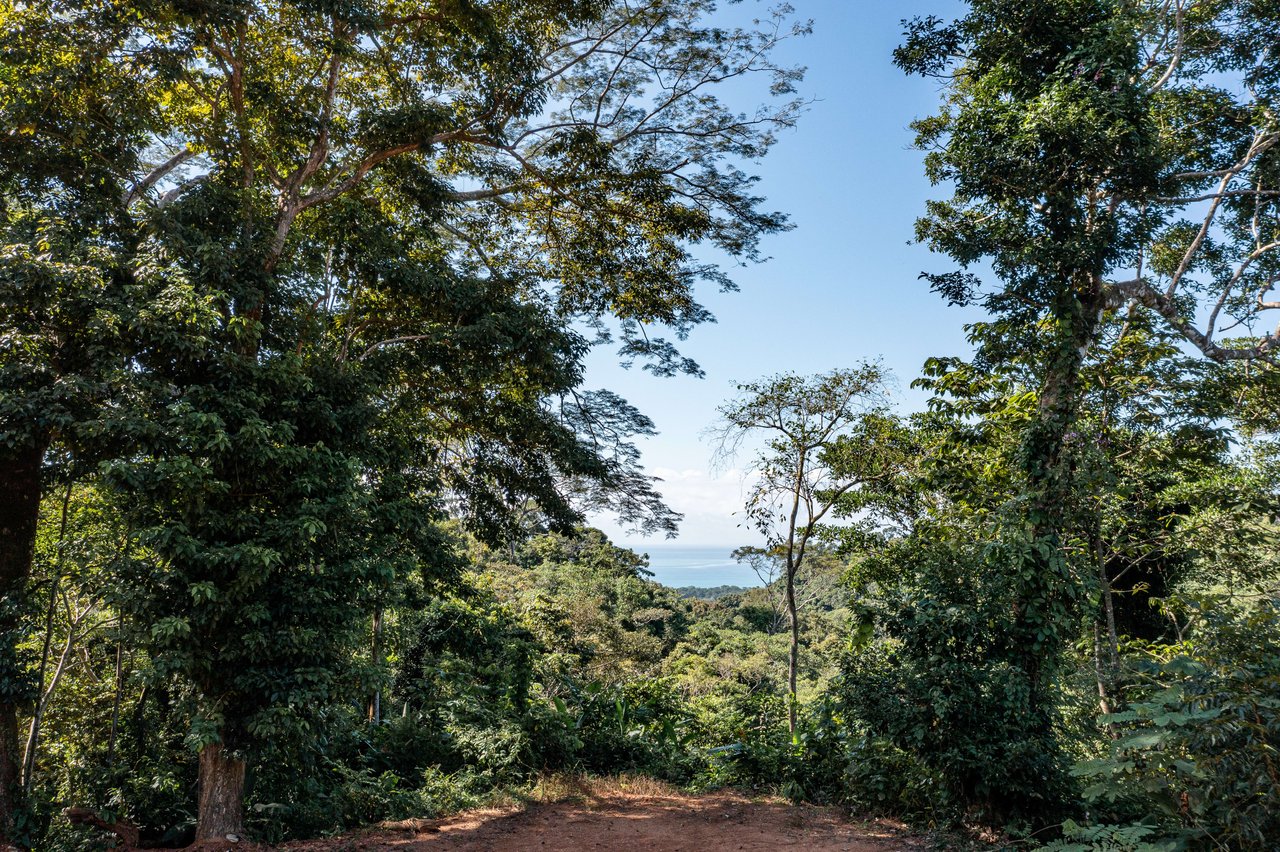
{"x": 841, "y": 287}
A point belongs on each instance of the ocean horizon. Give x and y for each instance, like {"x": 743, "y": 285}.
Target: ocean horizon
{"x": 705, "y": 566}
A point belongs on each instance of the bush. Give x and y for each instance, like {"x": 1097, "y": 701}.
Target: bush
{"x": 933, "y": 673}
{"x": 1197, "y": 759}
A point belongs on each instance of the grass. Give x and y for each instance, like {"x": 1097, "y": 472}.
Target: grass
{"x": 578, "y": 787}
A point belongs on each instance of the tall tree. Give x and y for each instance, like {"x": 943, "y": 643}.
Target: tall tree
{"x": 73, "y": 120}
{"x": 1163, "y": 504}
{"x": 1103, "y": 154}
{"x": 388, "y": 218}
{"x": 819, "y": 443}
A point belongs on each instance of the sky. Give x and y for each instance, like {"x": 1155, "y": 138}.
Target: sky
{"x": 841, "y": 287}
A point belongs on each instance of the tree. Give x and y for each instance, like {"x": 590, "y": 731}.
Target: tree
{"x": 1080, "y": 137}
{"x": 818, "y": 584}
{"x": 74, "y": 120}
{"x": 1147, "y": 130}
{"x": 819, "y": 444}
{"x": 1164, "y": 504}
{"x": 372, "y": 229}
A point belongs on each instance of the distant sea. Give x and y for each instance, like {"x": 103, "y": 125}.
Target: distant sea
{"x": 674, "y": 565}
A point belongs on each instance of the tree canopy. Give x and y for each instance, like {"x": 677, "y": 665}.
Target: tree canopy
{"x": 296, "y": 302}
{"x": 310, "y": 276}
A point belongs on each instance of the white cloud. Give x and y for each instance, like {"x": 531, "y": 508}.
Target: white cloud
{"x": 711, "y": 505}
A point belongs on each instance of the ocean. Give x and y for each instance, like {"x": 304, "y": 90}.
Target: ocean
{"x": 706, "y": 567}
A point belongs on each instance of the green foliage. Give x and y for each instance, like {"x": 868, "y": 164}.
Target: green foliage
{"x": 300, "y": 305}
{"x": 940, "y": 681}
{"x": 359, "y": 775}
{"x": 304, "y": 345}
{"x": 1077, "y": 139}
{"x": 466, "y": 676}
{"x": 935, "y": 668}
{"x": 1108, "y": 838}
{"x": 1195, "y": 757}
{"x": 712, "y": 593}
{"x": 816, "y": 447}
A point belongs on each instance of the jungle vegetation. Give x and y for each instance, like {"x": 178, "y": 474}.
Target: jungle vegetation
{"x": 295, "y": 451}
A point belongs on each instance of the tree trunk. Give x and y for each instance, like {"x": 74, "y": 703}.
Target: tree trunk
{"x": 1100, "y": 674}
{"x": 793, "y": 565}
{"x": 1047, "y": 593}
{"x": 221, "y": 808}
{"x": 10, "y": 789}
{"x": 33, "y": 735}
{"x": 115, "y": 706}
{"x": 375, "y": 700}
{"x": 1108, "y": 666}
{"x": 19, "y": 513}
{"x": 794, "y": 657}
{"x": 1113, "y": 638}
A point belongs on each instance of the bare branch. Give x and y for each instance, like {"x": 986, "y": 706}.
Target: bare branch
{"x": 1176, "y": 59}
{"x": 157, "y": 174}
{"x": 1267, "y": 349}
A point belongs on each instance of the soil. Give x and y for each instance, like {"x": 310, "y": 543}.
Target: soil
{"x": 633, "y": 822}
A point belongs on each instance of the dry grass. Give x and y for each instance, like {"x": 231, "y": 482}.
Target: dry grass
{"x": 549, "y": 789}
{"x": 576, "y": 787}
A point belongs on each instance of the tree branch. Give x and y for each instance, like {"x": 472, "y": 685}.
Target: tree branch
{"x": 157, "y": 175}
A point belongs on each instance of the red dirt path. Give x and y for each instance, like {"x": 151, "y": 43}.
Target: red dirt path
{"x": 632, "y": 823}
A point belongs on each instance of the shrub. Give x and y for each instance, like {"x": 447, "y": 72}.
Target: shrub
{"x": 1196, "y": 762}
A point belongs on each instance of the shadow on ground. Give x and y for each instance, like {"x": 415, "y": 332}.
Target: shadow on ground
{"x": 633, "y": 823}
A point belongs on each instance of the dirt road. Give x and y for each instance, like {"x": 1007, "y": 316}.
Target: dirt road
{"x": 632, "y": 823}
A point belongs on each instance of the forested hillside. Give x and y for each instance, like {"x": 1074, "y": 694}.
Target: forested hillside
{"x": 297, "y": 449}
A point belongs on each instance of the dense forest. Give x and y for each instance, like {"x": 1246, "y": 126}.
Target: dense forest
{"x": 296, "y": 452}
